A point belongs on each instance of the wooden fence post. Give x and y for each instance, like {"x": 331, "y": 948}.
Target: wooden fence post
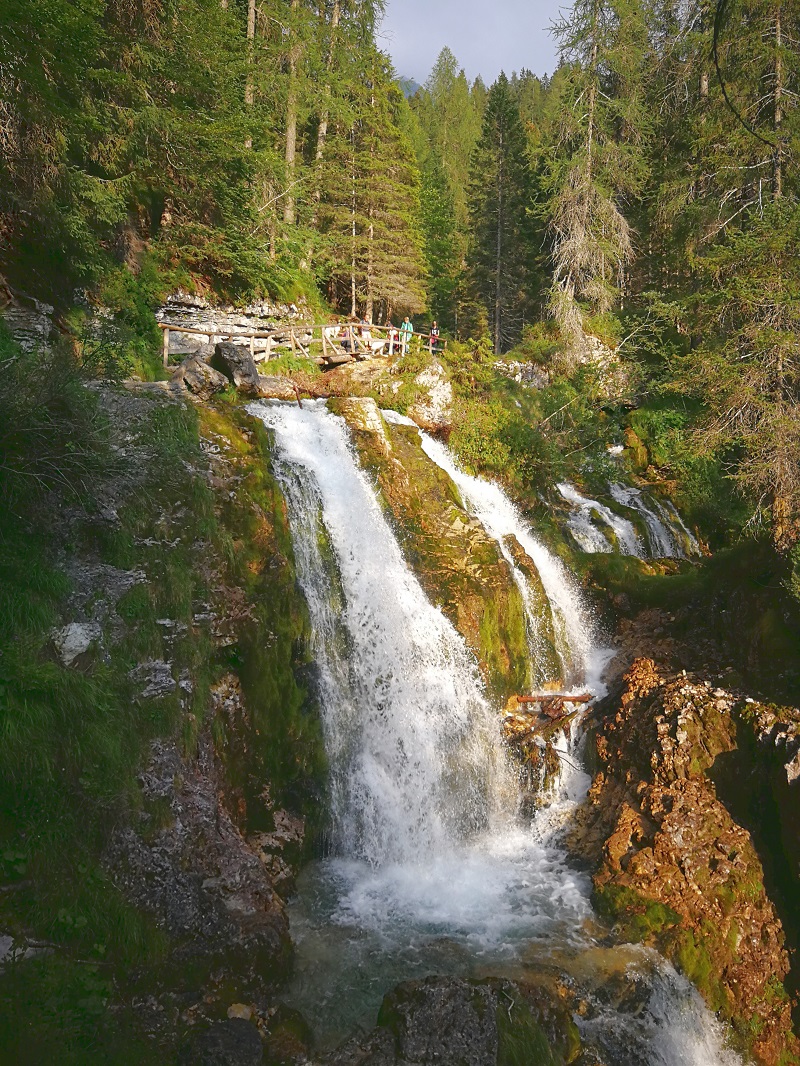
{"x": 165, "y": 348}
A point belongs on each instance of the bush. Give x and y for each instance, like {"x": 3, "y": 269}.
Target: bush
{"x": 52, "y": 431}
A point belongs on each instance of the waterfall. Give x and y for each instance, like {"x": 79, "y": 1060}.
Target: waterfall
{"x": 431, "y": 870}
{"x": 580, "y": 656}
{"x": 586, "y": 533}
{"x": 416, "y": 760}
{"x": 667, "y": 535}
{"x": 669, "y": 538}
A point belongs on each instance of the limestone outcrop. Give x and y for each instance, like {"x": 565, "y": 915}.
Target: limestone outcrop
{"x": 672, "y": 866}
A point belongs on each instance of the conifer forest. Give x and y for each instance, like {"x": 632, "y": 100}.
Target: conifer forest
{"x": 294, "y": 597}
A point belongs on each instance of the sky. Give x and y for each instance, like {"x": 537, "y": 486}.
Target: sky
{"x": 486, "y": 36}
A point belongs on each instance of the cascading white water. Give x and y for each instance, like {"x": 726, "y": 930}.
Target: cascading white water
{"x": 668, "y": 536}
{"x": 432, "y": 871}
{"x": 581, "y": 658}
{"x": 415, "y": 757}
{"x": 586, "y": 533}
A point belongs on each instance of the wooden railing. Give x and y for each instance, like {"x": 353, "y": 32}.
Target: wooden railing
{"x": 338, "y": 342}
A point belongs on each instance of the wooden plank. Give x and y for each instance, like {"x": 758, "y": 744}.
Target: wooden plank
{"x": 546, "y": 697}
{"x": 166, "y": 345}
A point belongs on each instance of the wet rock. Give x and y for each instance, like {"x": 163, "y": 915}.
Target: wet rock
{"x": 74, "y": 640}
{"x": 202, "y": 380}
{"x": 275, "y": 388}
{"x": 238, "y": 365}
{"x": 364, "y": 416}
{"x": 232, "y": 1043}
{"x": 448, "y": 1021}
{"x": 290, "y": 1039}
{"x": 671, "y": 865}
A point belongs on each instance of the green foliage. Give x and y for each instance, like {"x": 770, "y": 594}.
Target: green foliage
{"x": 51, "y": 432}
{"x": 501, "y": 248}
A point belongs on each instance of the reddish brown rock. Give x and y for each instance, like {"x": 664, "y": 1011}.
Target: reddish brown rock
{"x": 672, "y": 867}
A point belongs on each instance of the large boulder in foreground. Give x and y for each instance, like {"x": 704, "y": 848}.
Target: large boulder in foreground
{"x": 447, "y": 1021}
{"x": 202, "y": 380}
{"x": 672, "y": 866}
{"x": 232, "y": 1043}
{"x": 237, "y": 364}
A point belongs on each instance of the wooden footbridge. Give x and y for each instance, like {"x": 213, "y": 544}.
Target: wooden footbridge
{"x": 328, "y": 344}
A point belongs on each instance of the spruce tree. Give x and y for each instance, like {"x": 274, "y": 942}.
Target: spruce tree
{"x": 500, "y": 252}
{"x": 599, "y": 162}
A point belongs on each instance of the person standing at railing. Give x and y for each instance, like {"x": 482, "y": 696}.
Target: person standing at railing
{"x": 406, "y": 333}
{"x": 433, "y": 339}
{"x": 391, "y": 333}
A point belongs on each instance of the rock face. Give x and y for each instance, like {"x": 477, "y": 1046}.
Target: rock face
{"x": 451, "y": 1022}
{"x": 459, "y": 565}
{"x": 672, "y": 866}
{"x": 273, "y": 387}
{"x": 190, "y": 868}
{"x": 433, "y": 410}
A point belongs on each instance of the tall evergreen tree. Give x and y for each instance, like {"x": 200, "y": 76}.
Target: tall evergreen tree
{"x": 371, "y": 219}
{"x": 599, "y": 161}
{"x": 501, "y": 248}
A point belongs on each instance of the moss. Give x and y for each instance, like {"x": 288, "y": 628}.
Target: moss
{"x": 693, "y": 957}
{"x": 523, "y": 1040}
{"x": 281, "y": 742}
{"x": 459, "y": 566}
{"x": 639, "y": 918}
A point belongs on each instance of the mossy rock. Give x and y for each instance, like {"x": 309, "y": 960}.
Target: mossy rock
{"x": 458, "y": 564}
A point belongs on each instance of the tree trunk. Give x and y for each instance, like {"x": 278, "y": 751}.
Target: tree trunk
{"x": 778, "y": 100}
{"x": 353, "y": 226}
{"x": 322, "y": 129}
{"x": 291, "y": 119}
{"x": 368, "y": 307}
{"x": 249, "y": 91}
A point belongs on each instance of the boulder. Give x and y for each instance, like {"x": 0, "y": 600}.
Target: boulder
{"x": 232, "y": 1043}
{"x": 275, "y": 387}
{"x": 447, "y": 1021}
{"x": 199, "y": 378}
{"x": 433, "y": 410}
{"x": 237, "y": 364}
{"x": 75, "y": 639}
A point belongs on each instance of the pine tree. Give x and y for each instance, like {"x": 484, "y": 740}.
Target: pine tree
{"x": 442, "y": 257}
{"x": 747, "y": 370}
{"x": 371, "y": 219}
{"x": 501, "y": 251}
{"x": 599, "y": 161}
